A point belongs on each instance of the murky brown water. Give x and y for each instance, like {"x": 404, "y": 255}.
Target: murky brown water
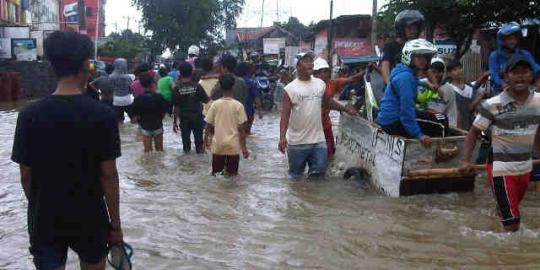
{"x": 177, "y": 217}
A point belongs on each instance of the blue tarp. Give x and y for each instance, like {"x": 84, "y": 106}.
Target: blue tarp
{"x": 359, "y": 59}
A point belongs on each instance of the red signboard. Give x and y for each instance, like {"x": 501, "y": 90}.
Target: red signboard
{"x": 69, "y": 16}
{"x": 352, "y": 47}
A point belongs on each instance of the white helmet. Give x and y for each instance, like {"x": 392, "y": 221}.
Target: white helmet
{"x": 319, "y": 64}
{"x": 193, "y": 49}
{"x": 417, "y": 47}
{"x": 437, "y": 60}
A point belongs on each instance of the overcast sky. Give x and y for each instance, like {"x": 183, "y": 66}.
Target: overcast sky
{"x": 118, "y": 12}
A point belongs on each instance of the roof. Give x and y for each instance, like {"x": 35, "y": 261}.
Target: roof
{"x": 244, "y": 34}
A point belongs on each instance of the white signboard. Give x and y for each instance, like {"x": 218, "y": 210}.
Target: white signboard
{"x": 15, "y": 32}
{"x": 273, "y": 45}
{"x": 321, "y": 43}
{"x": 290, "y": 54}
{"x": 5, "y": 48}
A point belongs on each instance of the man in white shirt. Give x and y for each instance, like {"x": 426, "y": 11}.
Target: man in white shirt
{"x": 301, "y": 131}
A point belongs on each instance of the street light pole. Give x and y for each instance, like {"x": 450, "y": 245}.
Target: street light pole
{"x": 82, "y": 16}
{"x": 374, "y": 25}
{"x": 98, "y": 16}
{"x": 330, "y": 33}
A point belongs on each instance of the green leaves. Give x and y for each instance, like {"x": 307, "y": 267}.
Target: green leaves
{"x": 177, "y": 24}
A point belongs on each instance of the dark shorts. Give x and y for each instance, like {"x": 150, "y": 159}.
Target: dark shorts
{"x": 91, "y": 250}
{"x": 535, "y": 175}
{"x": 228, "y": 163}
{"x": 508, "y": 192}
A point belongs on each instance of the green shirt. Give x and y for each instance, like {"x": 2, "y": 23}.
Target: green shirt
{"x": 239, "y": 91}
{"x": 164, "y": 87}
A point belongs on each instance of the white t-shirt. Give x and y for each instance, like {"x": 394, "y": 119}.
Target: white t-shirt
{"x": 305, "y": 124}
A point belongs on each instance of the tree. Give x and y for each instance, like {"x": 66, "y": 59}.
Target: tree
{"x": 297, "y": 28}
{"x": 177, "y": 24}
{"x": 125, "y": 44}
{"x": 460, "y": 18}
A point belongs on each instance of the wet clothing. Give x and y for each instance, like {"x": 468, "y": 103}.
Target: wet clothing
{"x": 229, "y": 163}
{"x": 508, "y": 192}
{"x": 152, "y": 133}
{"x": 120, "y": 80}
{"x": 497, "y": 65}
{"x": 104, "y": 85}
{"x": 239, "y": 91}
{"x": 64, "y": 139}
{"x": 164, "y": 87}
{"x": 150, "y": 108}
{"x": 189, "y": 97}
{"x": 333, "y": 87}
{"x": 392, "y": 53}
{"x": 513, "y": 129}
{"x": 314, "y": 155}
{"x": 226, "y": 115}
{"x": 398, "y": 103}
{"x": 305, "y": 123}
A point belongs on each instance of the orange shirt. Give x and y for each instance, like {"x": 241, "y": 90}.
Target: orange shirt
{"x": 333, "y": 87}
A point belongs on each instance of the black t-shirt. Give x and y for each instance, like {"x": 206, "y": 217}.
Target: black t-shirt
{"x": 392, "y": 53}
{"x": 189, "y": 97}
{"x": 150, "y": 108}
{"x": 63, "y": 139}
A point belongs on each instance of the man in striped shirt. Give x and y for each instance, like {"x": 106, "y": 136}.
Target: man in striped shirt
{"x": 513, "y": 117}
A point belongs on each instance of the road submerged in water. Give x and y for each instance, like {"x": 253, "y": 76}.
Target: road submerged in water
{"x": 176, "y": 216}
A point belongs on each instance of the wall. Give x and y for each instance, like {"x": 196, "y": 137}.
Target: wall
{"x": 37, "y": 78}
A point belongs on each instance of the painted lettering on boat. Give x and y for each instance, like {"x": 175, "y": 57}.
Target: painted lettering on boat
{"x": 392, "y": 145}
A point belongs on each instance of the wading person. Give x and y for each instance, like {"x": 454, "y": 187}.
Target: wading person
{"x": 226, "y": 125}
{"x": 301, "y": 130}
{"x": 227, "y": 64}
{"x": 66, "y": 145}
{"x": 513, "y": 117}
{"x": 188, "y": 99}
{"x": 149, "y": 108}
{"x": 322, "y": 71}
{"x": 244, "y": 70}
{"x": 121, "y": 83}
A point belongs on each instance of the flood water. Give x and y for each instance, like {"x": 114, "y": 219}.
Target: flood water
{"x": 177, "y": 217}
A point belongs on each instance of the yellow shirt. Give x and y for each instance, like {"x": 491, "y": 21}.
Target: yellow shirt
{"x": 226, "y": 114}
{"x": 208, "y": 84}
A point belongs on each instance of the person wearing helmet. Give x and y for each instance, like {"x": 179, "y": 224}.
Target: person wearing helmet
{"x": 508, "y": 38}
{"x": 193, "y": 54}
{"x": 398, "y": 115}
{"x": 321, "y": 70}
{"x": 409, "y": 24}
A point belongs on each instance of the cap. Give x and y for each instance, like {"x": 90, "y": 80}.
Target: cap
{"x": 301, "y": 56}
{"x": 517, "y": 60}
{"x": 319, "y": 64}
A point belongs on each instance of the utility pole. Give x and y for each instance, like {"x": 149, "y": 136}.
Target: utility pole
{"x": 262, "y": 13}
{"x": 98, "y": 15}
{"x": 277, "y": 10}
{"x": 374, "y": 25}
{"x": 82, "y": 16}
{"x": 330, "y": 33}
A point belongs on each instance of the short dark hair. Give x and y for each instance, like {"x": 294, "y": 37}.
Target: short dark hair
{"x": 144, "y": 67}
{"x": 162, "y": 72}
{"x": 66, "y": 51}
{"x": 185, "y": 69}
{"x": 438, "y": 66}
{"x": 243, "y": 69}
{"x": 206, "y": 64}
{"x": 109, "y": 68}
{"x": 226, "y": 81}
{"x": 453, "y": 65}
{"x": 146, "y": 79}
{"x": 228, "y": 61}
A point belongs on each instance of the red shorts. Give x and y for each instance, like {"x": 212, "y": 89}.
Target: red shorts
{"x": 508, "y": 192}
{"x": 330, "y": 143}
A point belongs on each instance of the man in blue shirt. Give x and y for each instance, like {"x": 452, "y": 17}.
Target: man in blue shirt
{"x": 508, "y": 38}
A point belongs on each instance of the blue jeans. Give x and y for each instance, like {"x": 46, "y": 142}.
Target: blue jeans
{"x": 314, "y": 155}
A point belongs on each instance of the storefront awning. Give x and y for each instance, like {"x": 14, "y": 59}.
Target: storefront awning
{"x": 347, "y": 60}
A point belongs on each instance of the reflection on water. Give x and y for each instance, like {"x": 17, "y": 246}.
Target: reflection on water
{"x": 178, "y": 217}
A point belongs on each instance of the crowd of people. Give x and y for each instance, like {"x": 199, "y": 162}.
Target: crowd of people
{"x": 73, "y": 137}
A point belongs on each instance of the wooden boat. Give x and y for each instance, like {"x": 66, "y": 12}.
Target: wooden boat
{"x": 397, "y": 166}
